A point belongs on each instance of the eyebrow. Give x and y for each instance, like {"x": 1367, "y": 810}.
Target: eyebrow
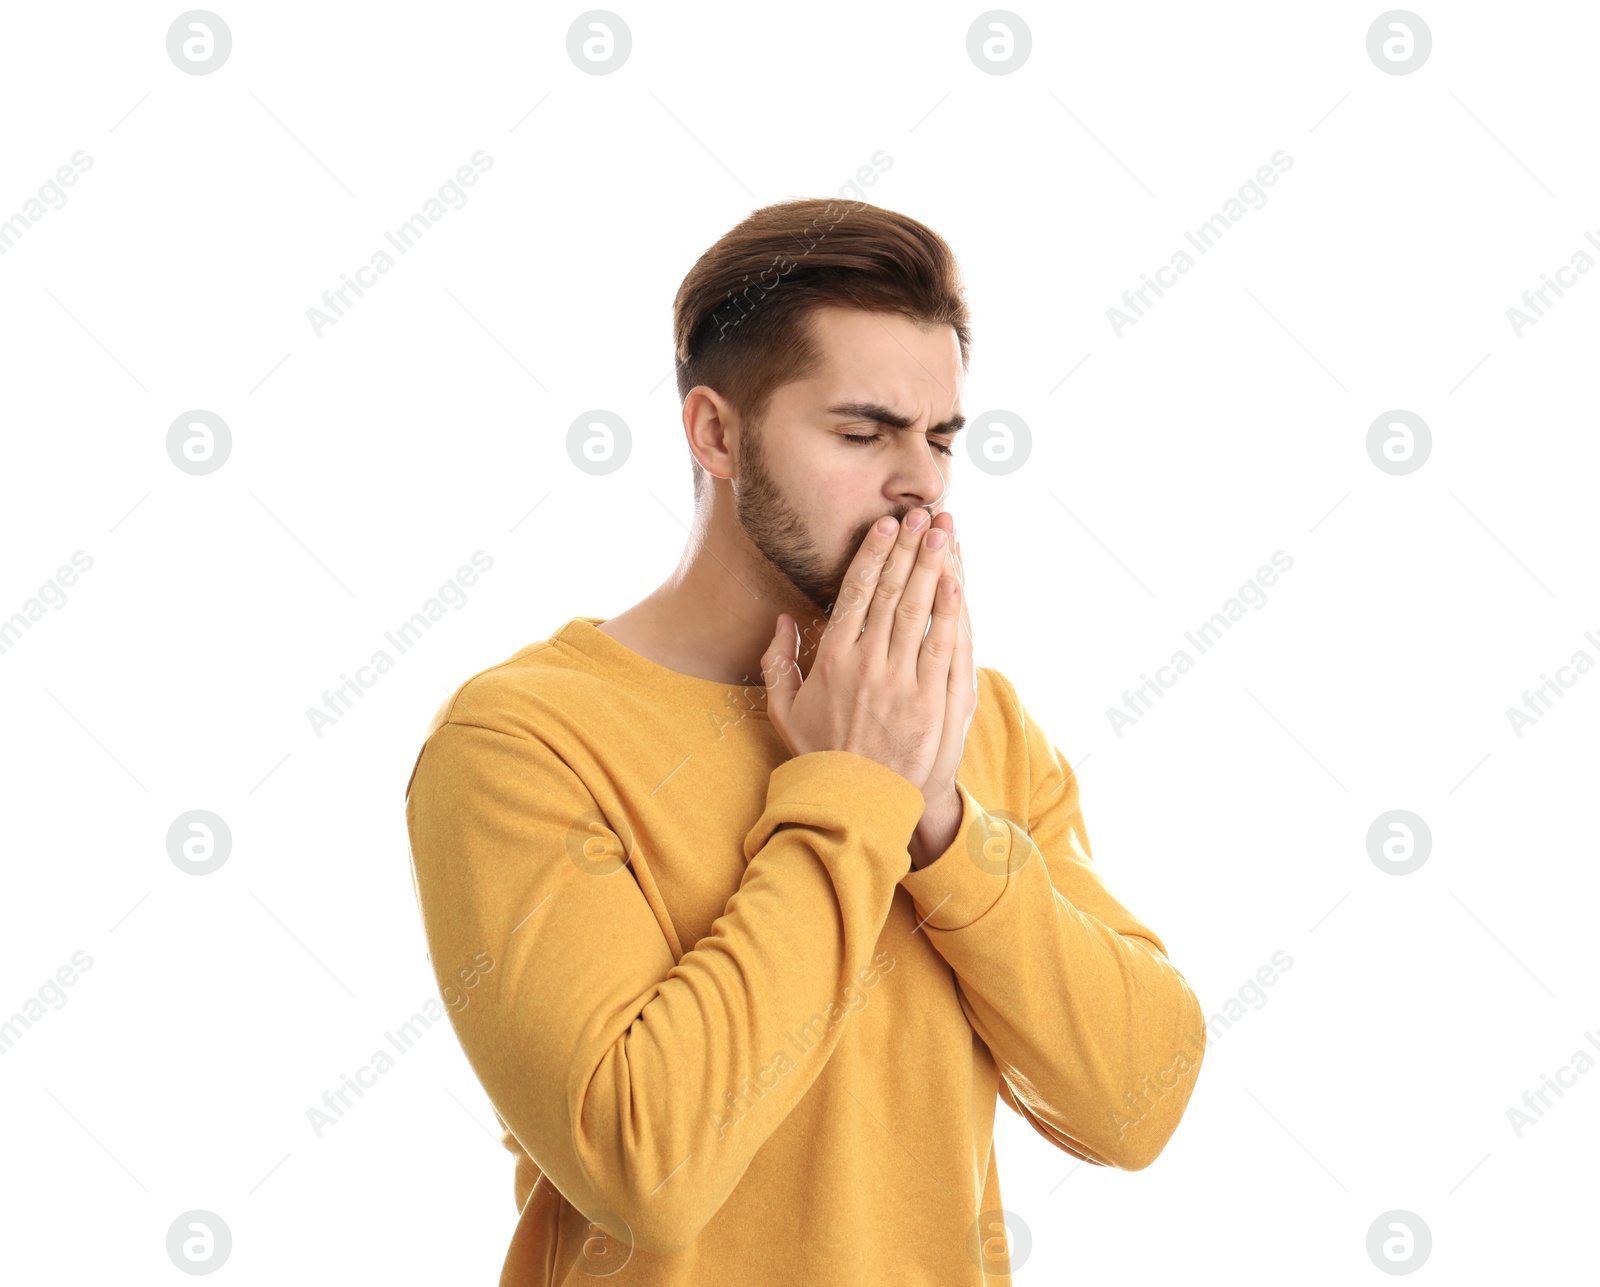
{"x": 882, "y": 415}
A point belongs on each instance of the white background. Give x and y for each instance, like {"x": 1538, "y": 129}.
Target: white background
{"x": 1167, "y": 465}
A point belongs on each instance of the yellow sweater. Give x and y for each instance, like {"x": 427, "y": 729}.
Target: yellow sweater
{"x": 730, "y": 1036}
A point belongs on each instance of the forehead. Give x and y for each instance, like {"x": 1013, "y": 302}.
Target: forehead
{"x": 885, "y": 353}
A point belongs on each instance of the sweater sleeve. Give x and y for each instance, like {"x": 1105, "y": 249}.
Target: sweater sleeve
{"x": 1097, "y": 1035}
{"x": 615, "y": 1064}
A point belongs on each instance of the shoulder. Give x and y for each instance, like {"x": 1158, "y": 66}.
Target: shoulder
{"x": 997, "y": 690}
{"x": 1012, "y": 731}
{"x": 1000, "y": 705}
{"x": 518, "y": 698}
{"x": 488, "y": 692}
{"x": 997, "y": 737}
{"x": 522, "y": 695}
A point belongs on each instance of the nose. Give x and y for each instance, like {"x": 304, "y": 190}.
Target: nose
{"x": 923, "y": 483}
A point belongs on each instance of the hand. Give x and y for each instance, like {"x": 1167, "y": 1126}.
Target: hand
{"x": 879, "y": 682}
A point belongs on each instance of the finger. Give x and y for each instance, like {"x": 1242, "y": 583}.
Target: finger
{"x": 959, "y": 571}
{"x": 963, "y": 658}
{"x": 879, "y": 624}
{"x": 961, "y": 696}
{"x": 938, "y": 649}
{"x": 917, "y": 601}
{"x": 945, "y": 521}
{"x": 952, "y": 730}
{"x": 780, "y": 667}
{"x": 966, "y": 615}
{"x": 960, "y": 701}
{"x": 860, "y": 583}
{"x": 957, "y": 568}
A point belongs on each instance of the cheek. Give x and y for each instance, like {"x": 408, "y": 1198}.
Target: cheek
{"x": 839, "y": 495}
{"x": 841, "y": 473}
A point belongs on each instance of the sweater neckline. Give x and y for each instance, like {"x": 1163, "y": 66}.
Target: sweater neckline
{"x": 619, "y": 662}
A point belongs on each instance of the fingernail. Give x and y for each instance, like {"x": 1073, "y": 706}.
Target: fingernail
{"x": 886, "y": 524}
{"x": 916, "y": 518}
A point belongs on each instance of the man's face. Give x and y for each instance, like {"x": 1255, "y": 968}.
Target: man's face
{"x": 806, "y": 496}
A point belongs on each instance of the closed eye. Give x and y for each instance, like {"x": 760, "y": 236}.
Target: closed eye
{"x": 865, "y": 440}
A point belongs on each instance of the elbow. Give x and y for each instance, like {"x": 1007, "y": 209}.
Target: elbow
{"x": 1148, "y": 1117}
{"x": 1136, "y": 1153}
{"x": 665, "y": 1228}
{"x": 646, "y": 1184}
{"x": 644, "y": 1223}
{"x": 1135, "y": 1143}
{"x": 654, "y": 1208}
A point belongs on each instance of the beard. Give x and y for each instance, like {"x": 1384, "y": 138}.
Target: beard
{"x": 800, "y": 568}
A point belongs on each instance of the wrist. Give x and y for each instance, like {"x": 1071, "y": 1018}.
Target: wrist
{"x": 937, "y": 828}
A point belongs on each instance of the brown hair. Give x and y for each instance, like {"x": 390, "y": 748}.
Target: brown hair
{"x": 740, "y": 320}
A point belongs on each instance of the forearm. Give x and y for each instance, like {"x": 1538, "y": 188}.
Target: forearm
{"x": 1072, "y": 994}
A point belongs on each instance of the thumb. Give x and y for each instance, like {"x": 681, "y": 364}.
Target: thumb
{"x": 780, "y": 668}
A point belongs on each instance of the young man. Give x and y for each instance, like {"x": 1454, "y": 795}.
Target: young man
{"x": 754, "y": 897}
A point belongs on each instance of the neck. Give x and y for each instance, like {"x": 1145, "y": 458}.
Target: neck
{"x": 715, "y": 616}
